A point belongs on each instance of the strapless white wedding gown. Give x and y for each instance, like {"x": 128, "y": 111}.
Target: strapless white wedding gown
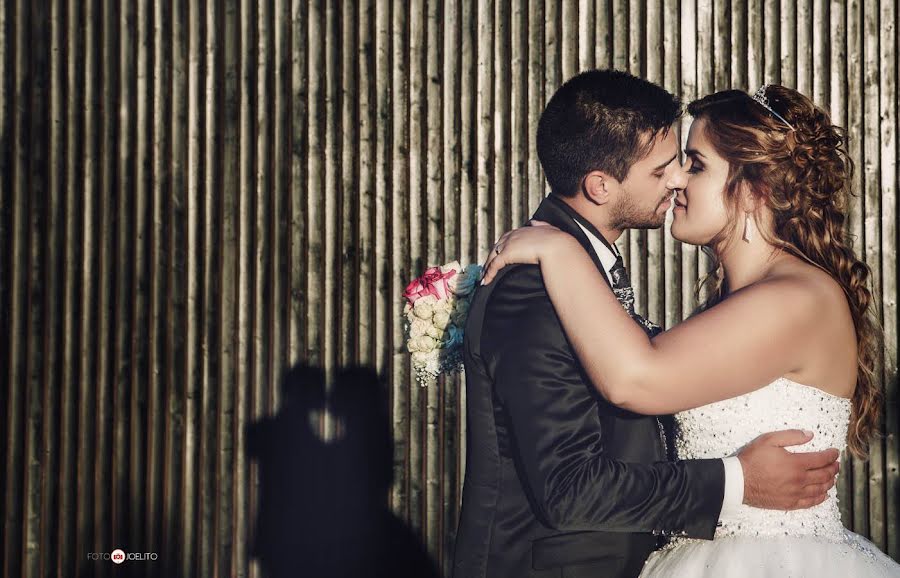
{"x": 767, "y": 543}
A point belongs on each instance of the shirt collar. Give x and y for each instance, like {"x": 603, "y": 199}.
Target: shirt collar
{"x": 606, "y": 256}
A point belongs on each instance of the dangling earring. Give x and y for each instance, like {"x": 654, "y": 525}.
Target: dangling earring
{"x": 748, "y": 228}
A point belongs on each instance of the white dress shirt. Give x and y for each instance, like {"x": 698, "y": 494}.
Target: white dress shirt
{"x": 734, "y": 473}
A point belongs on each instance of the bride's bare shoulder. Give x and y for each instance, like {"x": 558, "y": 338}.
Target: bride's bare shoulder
{"x": 817, "y": 284}
{"x": 832, "y": 350}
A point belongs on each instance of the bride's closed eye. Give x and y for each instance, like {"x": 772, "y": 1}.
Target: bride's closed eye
{"x": 695, "y": 168}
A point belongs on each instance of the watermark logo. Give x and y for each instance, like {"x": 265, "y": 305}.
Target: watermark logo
{"x": 119, "y": 556}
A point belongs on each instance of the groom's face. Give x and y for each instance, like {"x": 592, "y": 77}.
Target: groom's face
{"x": 645, "y": 195}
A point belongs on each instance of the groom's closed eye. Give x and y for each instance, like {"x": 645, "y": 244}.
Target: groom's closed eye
{"x": 660, "y": 170}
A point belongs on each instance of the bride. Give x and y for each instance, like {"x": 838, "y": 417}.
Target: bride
{"x": 786, "y": 339}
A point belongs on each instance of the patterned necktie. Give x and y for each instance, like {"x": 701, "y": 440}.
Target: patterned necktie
{"x": 621, "y": 285}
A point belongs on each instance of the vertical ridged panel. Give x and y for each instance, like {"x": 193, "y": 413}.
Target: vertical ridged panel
{"x": 196, "y": 196}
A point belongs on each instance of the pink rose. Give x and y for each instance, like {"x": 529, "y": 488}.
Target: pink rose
{"x": 432, "y": 282}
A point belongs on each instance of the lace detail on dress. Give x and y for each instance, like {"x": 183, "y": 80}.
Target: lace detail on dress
{"x": 721, "y": 429}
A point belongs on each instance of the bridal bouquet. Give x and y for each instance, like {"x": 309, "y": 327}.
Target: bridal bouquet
{"x": 436, "y": 307}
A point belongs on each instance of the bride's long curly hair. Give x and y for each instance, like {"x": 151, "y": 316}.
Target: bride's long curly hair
{"x": 803, "y": 176}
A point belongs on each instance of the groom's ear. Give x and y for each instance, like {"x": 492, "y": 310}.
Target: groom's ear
{"x": 596, "y": 187}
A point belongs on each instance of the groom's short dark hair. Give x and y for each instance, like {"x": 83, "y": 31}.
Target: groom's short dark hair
{"x": 602, "y": 120}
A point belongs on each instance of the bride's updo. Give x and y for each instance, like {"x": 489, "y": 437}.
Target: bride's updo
{"x": 795, "y": 160}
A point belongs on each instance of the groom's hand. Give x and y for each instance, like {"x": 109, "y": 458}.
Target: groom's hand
{"x": 776, "y": 479}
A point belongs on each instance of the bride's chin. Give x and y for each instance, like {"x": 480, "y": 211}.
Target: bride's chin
{"x": 684, "y": 237}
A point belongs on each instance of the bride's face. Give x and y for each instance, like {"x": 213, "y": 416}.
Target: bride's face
{"x": 700, "y": 213}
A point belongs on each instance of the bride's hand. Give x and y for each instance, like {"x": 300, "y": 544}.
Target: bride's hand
{"x": 525, "y": 245}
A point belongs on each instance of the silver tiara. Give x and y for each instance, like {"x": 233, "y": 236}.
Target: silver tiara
{"x": 761, "y": 98}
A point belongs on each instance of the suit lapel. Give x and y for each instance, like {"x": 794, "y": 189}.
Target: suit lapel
{"x": 556, "y": 212}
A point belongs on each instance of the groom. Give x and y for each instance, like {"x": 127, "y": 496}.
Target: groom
{"x": 559, "y": 483}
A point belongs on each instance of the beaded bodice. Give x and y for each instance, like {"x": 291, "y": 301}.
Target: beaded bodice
{"x": 720, "y": 429}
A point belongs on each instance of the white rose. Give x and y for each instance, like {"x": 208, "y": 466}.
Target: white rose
{"x": 420, "y": 357}
{"x": 441, "y": 320}
{"x": 445, "y": 305}
{"x": 425, "y": 343}
{"x": 464, "y": 283}
{"x": 435, "y": 333}
{"x": 423, "y": 309}
{"x": 418, "y": 328}
{"x": 452, "y": 266}
{"x": 412, "y": 345}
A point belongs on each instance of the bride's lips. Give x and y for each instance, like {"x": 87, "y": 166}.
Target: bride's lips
{"x": 679, "y": 205}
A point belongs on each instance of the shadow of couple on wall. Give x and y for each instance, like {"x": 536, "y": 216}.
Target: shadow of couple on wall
{"x": 323, "y": 509}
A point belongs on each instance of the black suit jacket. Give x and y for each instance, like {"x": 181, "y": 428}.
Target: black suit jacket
{"x": 559, "y": 482}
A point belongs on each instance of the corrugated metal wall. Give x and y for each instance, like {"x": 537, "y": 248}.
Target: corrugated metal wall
{"x": 197, "y": 195}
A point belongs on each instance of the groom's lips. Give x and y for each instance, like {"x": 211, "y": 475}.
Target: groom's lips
{"x": 665, "y": 204}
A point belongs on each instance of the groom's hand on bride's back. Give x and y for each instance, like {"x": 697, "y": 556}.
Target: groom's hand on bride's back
{"x": 776, "y": 479}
